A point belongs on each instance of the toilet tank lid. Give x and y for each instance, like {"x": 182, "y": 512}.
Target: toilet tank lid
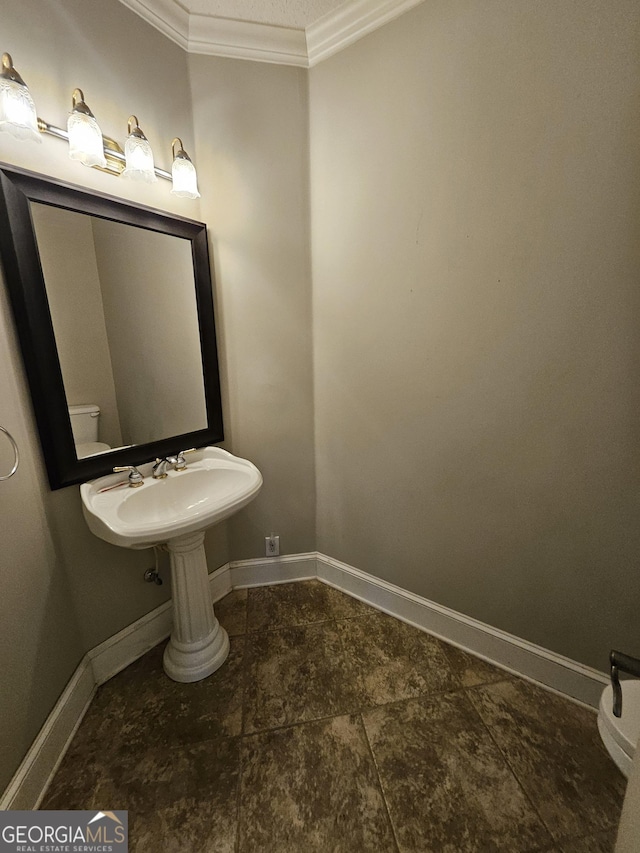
{"x": 85, "y": 409}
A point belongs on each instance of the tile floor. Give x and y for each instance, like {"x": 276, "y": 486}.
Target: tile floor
{"x": 337, "y": 729}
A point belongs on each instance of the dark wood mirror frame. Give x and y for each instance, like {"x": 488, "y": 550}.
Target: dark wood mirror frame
{"x": 26, "y": 285}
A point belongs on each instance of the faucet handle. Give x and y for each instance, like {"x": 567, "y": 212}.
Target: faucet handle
{"x": 181, "y": 463}
{"x": 135, "y": 477}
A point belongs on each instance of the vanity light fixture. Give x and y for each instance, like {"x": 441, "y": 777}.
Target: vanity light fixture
{"x": 138, "y": 154}
{"x": 183, "y": 172}
{"x": 85, "y": 136}
{"x": 17, "y": 109}
{"x": 86, "y": 142}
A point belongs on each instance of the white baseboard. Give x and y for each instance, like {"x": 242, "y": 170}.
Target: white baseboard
{"x": 117, "y": 652}
{"x": 527, "y": 660}
{"x": 520, "y": 657}
{"x": 32, "y": 778}
{"x": 267, "y": 571}
{"x": 571, "y": 679}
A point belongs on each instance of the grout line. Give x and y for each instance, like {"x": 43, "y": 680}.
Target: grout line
{"x": 366, "y": 708}
{"x": 245, "y": 680}
{"x": 244, "y": 669}
{"x": 245, "y": 666}
{"x": 329, "y": 618}
{"x": 511, "y": 769}
{"x": 245, "y": 677}
{"x": 304, "y": 624}
{"x": 297, "y": 723}
{"x": 379, "y": 778}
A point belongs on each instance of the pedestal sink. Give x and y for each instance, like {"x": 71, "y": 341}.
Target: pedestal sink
{"x": 177, "y": 510}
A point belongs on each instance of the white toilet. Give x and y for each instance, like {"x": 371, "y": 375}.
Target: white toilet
{"x": 620, "y": 734}
{"x": 84, "y": 423}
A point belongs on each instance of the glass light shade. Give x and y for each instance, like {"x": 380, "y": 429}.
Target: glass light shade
{"x": 17, "y": 110}
{"x": 85, "y": 140}
{"x": 185, "y": 180}
{"x": 139, "y": 159}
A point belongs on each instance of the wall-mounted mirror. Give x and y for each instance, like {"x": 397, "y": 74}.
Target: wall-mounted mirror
{"x": 114, "y": 311}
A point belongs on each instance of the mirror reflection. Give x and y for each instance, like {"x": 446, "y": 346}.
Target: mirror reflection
{"x": 123, "y": 307}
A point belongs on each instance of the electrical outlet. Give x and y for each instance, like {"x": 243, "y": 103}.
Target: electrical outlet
{"x": 272, "y": 545}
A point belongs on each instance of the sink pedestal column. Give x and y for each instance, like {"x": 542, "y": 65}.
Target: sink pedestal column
{"x": 198, "y": 644}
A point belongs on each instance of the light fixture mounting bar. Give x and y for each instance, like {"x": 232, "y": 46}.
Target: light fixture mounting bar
{"x": 112, "y": 151}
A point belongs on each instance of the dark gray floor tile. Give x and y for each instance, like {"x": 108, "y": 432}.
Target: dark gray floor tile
{"x": 297, "y": 674}
{"x": 141, "y": 708}
{"x": 88, "y": 781}
{"x": 471, "y": 670}
{"x": 286, "y": 605}
{"x": 344, "y": 606}
{"x": 107, "y": 734}
{"x": 312, "y": 789}
{"x": 178, "y": 799}
{"x": 394, "y": 660}
{"x": 601, "y": 842}
{"x": 169, "y": 753}
{"x": 302, "y": 603}
{"x": 187, "y": 799}
{"x": 231, "y": 612}
{"x": 555, "y": 751}
{"x": 175, "y": 713}
{"x": 446, "y": 783}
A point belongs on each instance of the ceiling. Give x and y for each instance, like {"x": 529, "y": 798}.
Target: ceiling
{"x": 295, "y": 14}
{"x": 286, "y": 32}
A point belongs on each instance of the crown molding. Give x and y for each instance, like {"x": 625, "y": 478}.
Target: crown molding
{"x": 247, "y": 40}
{"x": 213, "y": 36}
{"x": 350, "y": 22}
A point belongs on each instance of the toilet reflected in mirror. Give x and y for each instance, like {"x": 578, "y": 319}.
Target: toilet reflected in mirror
{"x": 85, "y": 425}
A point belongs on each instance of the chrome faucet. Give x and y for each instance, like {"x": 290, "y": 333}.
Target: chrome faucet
{"x": 178, "y": 461}
{"x": 159, "y": 471}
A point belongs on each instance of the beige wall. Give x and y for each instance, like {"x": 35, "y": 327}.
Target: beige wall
{"x": 475, "y": 307}
{"x": 252, "y": 158}
{"x": 40, "y": 643}
{"x": 252, "y": 154}
{"x": 68, "y": 258}
{"x": 54, "y": 571}
{"x": 475, "y": 210}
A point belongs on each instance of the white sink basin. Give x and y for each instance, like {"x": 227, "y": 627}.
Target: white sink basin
{"x": 214, "y": 485}
{"x": 177, "y": 510}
